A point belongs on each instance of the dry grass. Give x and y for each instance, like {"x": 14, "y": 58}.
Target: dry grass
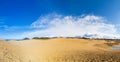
{"x": 60, "y": 50}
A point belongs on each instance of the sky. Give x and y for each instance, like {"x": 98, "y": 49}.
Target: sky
{"x": 31, "y": 18}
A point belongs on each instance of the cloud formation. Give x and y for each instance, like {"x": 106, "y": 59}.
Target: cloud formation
{"x": 70, "y": 26}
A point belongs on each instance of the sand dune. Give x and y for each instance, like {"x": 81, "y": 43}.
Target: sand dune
{"x": 58, "y": 50}
{"x": 9, "y": 52}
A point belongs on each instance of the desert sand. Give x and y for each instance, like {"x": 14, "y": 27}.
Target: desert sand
{"x": 59, "y": 50}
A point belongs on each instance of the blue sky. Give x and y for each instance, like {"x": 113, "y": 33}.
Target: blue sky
{"x": 16, "y": 16}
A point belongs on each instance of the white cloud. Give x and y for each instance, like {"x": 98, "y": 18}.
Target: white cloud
{"x": 68, "y": 26}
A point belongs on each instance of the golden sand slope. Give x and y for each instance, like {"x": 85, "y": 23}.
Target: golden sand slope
{"x": 65, "y": 50}
{"x": 9, "y": 52}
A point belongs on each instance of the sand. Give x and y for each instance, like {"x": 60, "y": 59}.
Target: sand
{"x": 58, "y": 50}
{"x": 9, "y": 52}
